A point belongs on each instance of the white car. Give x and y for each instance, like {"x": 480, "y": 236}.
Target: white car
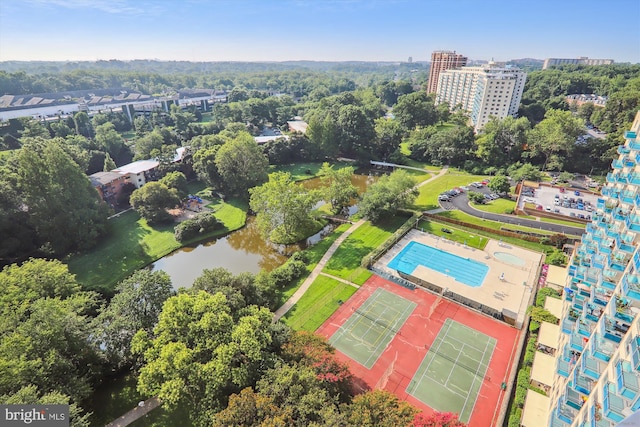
{"x": 529, "y": 200}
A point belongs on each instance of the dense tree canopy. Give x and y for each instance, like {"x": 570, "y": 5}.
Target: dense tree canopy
{"x": 45, "y": 334}
{"x": 64, "y": 209}
{"x": 241, "y": 164}
{"x": 198, "y": 354}
{"x": 283, "y": 208}
{"x": 152, "y": 201}
{"x": 384, "y": 198}
{"x": 135, "y": 306}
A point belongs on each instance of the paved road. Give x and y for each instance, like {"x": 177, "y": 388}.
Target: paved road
{"x": 461, "y": 202}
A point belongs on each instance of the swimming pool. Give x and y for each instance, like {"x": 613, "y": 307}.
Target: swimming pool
{"x": 509, "y": 259}
{"x": 463, "y": 270}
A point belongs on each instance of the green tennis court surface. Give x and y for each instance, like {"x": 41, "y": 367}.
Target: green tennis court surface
{"x": 370, "y": 328}
{"x": 452, "y": 371}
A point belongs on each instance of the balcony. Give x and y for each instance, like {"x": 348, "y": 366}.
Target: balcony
{"x": 614, "y": 329}
{"x": 623, "y": 150}
{"x": 577, "y": 342}
{"x": 573, "y": 399}
{"x": 582, "y": 384}
{"x": 591, "y": 367}
{"x": 613, "y": 406}
{"x": 627, "y": 381}
{"x": 634, "y": 145}
{"x": 602, "y": 349}
{"x": 567, "y": 325}
{"x": 630, "y": 135}
{"x": 563, "y": 367}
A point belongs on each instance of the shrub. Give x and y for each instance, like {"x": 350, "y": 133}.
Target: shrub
{"x": 514, "y": 419}
{"x": 288, "y": 272}
{"x": 521, "y": 395}
{"x": 200, "y": 224}
{"x": 544, "y": 293}
{"x": 534, "y": 326}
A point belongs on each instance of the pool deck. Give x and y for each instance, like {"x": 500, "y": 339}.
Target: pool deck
{"x": 510, "y": 294}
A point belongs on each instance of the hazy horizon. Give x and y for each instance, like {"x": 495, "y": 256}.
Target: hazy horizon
{"x": 320, "y": 31}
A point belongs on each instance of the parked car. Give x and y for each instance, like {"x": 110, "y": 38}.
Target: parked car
{"x": 547, "y": 209}
{"x": 577, "y": 193}
{"x": 444, "y": 198}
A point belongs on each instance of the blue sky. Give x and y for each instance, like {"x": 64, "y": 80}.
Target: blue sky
{"x": 322, "y": 30}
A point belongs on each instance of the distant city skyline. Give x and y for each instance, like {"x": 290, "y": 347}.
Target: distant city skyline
{"x": 320, "y": 30}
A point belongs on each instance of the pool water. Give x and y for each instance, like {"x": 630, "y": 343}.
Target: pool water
{"x": 509, "y": 259}
{"x": 463, "y": 270}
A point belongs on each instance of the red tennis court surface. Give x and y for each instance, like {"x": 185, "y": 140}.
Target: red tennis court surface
{"x": 398, "y": 363}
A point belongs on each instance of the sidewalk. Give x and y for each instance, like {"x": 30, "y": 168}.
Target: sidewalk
{"x": 327, "y": 256}
{"x": 316, "y": 271}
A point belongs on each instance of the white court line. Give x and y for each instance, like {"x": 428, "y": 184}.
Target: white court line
{"x": 411, "y": 307}
{"x": 476, "y": 375}
{"x": 448, "y": 325}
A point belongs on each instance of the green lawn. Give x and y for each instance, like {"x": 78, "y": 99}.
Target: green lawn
{"x": 345, "y": 262}
{"x": 133, "y": 244}
{"x": 314, "y": 255}
{"x": 457, "y": 234}
{"x": 320, "y": 301}
{"x": 298, "y": 171}
{"x": 130, "y": 245}
{"x": 428, "y": 195}
{"x": 461, "y": 216}
{"x": 499, "y": 206}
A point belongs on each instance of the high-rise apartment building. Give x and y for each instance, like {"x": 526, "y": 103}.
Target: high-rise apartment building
{"x": 490, "y": 90}
{"x": 583, "y": 60}
{"x": 597, "y": 369}
{"x": 442, "y": 60}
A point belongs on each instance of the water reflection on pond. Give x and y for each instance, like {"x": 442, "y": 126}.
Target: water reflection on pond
{"x": 243, "y": 250}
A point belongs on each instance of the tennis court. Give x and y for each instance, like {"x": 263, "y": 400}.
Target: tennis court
{"x": 451, "y": 373}
{"x": 372, "y": 326}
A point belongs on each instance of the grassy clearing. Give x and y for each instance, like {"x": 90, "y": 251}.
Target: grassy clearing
{"x": 130, "y": 245}
{"x": 499, "y": 206}
{"x": 428, "y": 195}
{"x": 320, "y": 301}
{"x": 314, "y": 255}
{"x": 133, "y": 244}
{"x": 461, "y": 216}
{"x": 457, "y": 234}
{"x": 298, "y": 171}
{"x": 345, "y": 262}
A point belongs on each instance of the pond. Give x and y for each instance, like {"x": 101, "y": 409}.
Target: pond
{"x": 243, "y": 250}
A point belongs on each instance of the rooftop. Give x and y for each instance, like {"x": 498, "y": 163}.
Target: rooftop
{"x": 138, "y": 167}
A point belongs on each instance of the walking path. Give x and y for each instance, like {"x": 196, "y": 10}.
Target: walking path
{"x": 138, "y": 412}
{"x": 318, "y": 269}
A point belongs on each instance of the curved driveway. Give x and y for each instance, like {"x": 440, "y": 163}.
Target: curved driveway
{"x": 461, "y": 202}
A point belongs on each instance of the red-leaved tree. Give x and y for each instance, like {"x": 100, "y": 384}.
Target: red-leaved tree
{"x": 437, "y": 419}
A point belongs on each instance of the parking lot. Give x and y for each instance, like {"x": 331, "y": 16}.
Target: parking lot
{"x": 571, "y": 203}
{"x": 446, "y": 198}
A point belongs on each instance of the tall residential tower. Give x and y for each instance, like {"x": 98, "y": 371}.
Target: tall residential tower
{"x": 442, "y": 60}
{"x": 490, "y": 90}
{"x": 597, "y": 369}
